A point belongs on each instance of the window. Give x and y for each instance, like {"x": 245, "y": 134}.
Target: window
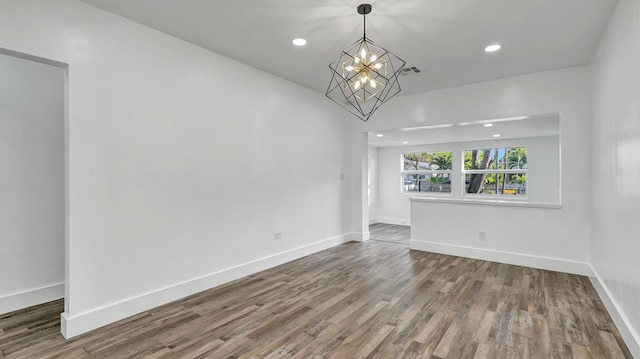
{"x": 426, "y": 172}
{"x": 496, "y": 171}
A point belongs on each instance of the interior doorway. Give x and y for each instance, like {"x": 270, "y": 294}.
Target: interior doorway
{"x": 33, "y": 180}
{"x": 382, "y": 227}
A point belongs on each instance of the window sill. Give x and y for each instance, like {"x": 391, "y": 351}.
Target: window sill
{"x": 428, "y": 194}
{"x": 491, "y": 202}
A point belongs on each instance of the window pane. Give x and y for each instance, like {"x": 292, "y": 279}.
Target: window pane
{"x": 501, "y": 161}
{"x": 480, "y": 159}
{"x": 470, "y": 157}
{"x": 496, "y": 158}
{"x": 410, "y": 182}
{"x": 493, "y": 159}
{"x": 496, "y": 183}
{"x": 515, "y": 184}
{"x": 432, "y": 182}
{"x": 427, "y": 161}
{"x": 473, "y": 183}
{"x": 516, "y": 158}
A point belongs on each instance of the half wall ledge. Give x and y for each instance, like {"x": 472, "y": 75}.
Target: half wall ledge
{"x": 482, "y": 201}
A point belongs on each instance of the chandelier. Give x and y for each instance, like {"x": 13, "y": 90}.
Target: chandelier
{"x": 365, "y": 75}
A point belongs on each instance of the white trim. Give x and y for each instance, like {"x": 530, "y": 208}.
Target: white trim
{"x": 42, "y": 60}
{"x": 520, "y": 259}
{"x": 399, "y": 221}
{"x": 31, "y": 297}
{"x": 496, "y": 170}
{"x": 83, "y": 322}
{"x": 360, "y": 237}
{"x": 444, "y": 195}
{"x": 374, "y": 220}
{"x": 480, "y": 201}
{"x": 424, "y": 172}
{"x": 629, "y": 334}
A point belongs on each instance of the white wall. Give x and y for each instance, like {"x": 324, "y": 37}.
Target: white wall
{"x": 373, "y": 184}
{"x": 543, "y": 178}
{"x": 359, "y": 182}
{"x": 561, "y": 234}
{"x": 183, "y": 164}
{"x": 616, "y": 168}
{"x": 177, "y": 182}
{"x": 31, "y": 183}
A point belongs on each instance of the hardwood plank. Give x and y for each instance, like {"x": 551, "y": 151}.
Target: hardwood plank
{"x": 390, "y": 233}
{"x": 613, "y": 349}
{"x": 358, "y": 300}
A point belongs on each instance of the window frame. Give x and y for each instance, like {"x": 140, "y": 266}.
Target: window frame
{"x": 431, "y": 173}
{"x": 497, "y": 171}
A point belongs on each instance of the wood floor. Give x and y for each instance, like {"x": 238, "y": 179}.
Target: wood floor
{"x": 390, "y": 233}
{"x": 357, "y": 300}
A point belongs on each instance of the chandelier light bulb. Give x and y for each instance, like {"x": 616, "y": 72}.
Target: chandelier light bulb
{"x": 365, "y": 75}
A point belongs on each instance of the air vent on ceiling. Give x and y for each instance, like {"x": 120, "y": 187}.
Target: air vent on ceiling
{"x": 410, "y": 70}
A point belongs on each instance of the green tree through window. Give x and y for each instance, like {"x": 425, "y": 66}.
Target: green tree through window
{"x": 427, "y": 171}
{"x": 495, "y": 171}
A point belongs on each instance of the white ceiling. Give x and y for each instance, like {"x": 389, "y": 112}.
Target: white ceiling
{"x": 513, "y": 127}
{"x": 443, "y": 38}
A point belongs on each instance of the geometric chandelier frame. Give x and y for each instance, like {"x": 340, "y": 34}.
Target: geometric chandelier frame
{"x": 365, "y": 75}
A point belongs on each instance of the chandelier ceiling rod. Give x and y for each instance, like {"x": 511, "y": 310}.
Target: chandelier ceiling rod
{"x": 364, "y": 9}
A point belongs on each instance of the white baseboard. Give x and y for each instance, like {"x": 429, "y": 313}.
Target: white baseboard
{"x": 628, "y": 333}
{"x": 29, "y": 298}
{"x": 400, "y": 221}
{"x": 374, "y": 220}
{"x": 360, "y": 237}
{"x": 83, "y": 322}
{"x": 526, "y": 260}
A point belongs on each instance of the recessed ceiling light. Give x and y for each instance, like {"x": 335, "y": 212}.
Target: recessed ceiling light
{"x": 405, "y": 142}
{"x": 379, "y": 135}
{"x": 496, "y": 135}
{"x": 488, "y": 124}
{"x": 299, "y": 42}
{"x": 492, "y": 48}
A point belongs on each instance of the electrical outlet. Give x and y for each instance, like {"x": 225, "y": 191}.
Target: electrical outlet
{"x": 482, "y": 236}
{"x": 278, "y": 235}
